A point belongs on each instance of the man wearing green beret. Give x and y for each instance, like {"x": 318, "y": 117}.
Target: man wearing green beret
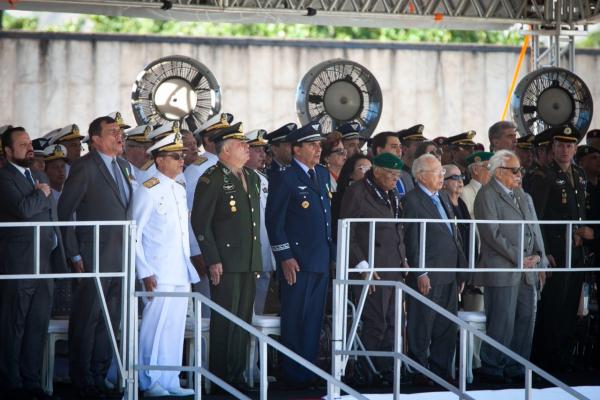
{"x": 477, "y": 165}
{"x": 376, "y": 196}
{"x": 226, "y": 222}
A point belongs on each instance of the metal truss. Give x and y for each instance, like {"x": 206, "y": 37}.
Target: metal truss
{"x": 444, "y": 14}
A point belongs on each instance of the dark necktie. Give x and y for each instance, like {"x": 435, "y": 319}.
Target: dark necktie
{"x": 29, "y": 177}
{"x": 313, "y": 177}
{"x": 119, "y": 180}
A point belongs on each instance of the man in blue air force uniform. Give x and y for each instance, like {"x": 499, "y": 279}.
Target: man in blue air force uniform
{"x": 298, "y": 218}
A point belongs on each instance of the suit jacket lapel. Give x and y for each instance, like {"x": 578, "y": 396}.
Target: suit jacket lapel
{"x": 24, "y": 184}
{"x": 107, "y": 175}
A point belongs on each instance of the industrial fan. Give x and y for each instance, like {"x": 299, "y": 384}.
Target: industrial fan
{"x": 550, "y": 97}
{"x": 175, "y": 88}
{"x": 338, "y": 91}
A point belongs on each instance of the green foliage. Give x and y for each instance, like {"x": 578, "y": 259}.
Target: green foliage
{"x": 17, "y": 23}
{"x": 592, "y": 40}
{"x": 143, "y": 26}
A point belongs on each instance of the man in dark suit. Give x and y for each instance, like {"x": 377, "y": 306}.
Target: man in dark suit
{"x": 510, "y": 297}
{"x": 25, "y": 305}
{"x": 431, "y": 337}
{"x": 298, "y": 218}
{"x": 226, "y": 222}
{"x": 98, "y": 189}
{"x": 375, "y": 196}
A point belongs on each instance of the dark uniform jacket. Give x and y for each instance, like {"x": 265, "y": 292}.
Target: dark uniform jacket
{"x": 556, "y": 199}
{"x": 91, "y": 194}
{"x": 226, "y": 219}
{"x": 20, "y": 202}
{"x": 359, "y": 202}
{"x": 298, "y": 218}
{"x": 442, "y": 248}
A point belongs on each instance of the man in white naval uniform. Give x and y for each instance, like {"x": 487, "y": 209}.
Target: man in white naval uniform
{"x": 148, "y": 170}
{"x": 136, "y": 144}
{"x": 256, "y": 162}
{"x": 192, "y": 174}
{"x": 163, "y": 264}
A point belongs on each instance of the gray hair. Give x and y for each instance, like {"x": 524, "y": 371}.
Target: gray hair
{"x": 496, "y": 130}
{"x": 499, "y": 159}
{"x": 420, "y": 164}
{"x": 447, "y": 167}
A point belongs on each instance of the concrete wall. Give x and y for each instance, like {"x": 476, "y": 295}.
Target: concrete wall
{"x": 51, "y": 80}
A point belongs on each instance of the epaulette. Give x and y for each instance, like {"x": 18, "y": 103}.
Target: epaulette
{"x": 210, "y": 170}
{"x": 200, "y": 160}
{"x": 147, "y": 165}
{"x": 151, "y": 182}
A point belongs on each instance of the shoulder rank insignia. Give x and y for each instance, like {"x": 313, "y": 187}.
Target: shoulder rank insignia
{"x": 204, "y": 179}
{"x": 211, "y": 170}
{"x": 151, "y": 182}
{"x": 147, "y": 165}
{"x": 201, "y": 160}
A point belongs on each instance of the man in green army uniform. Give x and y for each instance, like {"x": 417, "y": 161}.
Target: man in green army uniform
{"x": 225, "y": 219}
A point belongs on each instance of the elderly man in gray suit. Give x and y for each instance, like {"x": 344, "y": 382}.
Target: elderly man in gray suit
{"x": 509, "y": 297}
{"x": 98, "y": 189}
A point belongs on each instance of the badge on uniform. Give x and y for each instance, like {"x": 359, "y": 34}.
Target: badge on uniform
{"x": 233, "y": 207}
{"x": 305, "y": 204}
{"x": 560, "y": 182}
{"x": 564, "y": 197}
{"x": 228, "y": 187}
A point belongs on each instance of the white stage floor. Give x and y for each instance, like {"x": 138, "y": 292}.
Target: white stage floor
{"x": 591, "y": 392}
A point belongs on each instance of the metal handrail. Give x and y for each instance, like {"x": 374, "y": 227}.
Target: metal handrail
{"x": 263, "y": 339}
{"x": 96, "y": 274}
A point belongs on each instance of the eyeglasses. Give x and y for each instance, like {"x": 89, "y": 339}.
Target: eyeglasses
{"x": 455, "y": 177}
{"x": 174, "y": 156}
{"x": 515, "y": 170}
{"x": 364, "y": 168}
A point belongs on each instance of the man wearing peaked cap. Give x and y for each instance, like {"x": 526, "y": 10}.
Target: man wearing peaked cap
{"x": 542, "y": 156}
{"x": 460, "y": 147}
{"x": 524, "y": 150}
{"x": 39, "y": 145}
{"x": 98, "y": 189}
{"x": 71, "y": 138}
{"x": 410, "y": 139}
{"x": 298, "y": 218}
{"x": 192, "y": 175}
{"x": 281, "y": 149}
{"x": 593, "y": 138}
{"x": 558, "y": 193}
{"x": 226, "y": 222}
{"x": 477, "y": 166}
{"x": 351, "y": 137}
{"x": 375, "y": 196}
{"x": 136, "y": 144}
{"x": 256, "y": 162}
{"x": 55, "y": 157}
{"x": 148, "y": 170}
{"x": 163, "y": 264}
{"x": 25, "y": 305}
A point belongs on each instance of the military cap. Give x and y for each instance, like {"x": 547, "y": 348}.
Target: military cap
{"x": 119, "y": 120}
{"x": 350, "y": 130}
{"x": 171, "y": 142}
{"x": 478, "y": 157}
{"x": 279, "y": 135}
{"x": 525, "y": 142}
{"x": 307, "y": 133}
{"x": 218, "y": 121}
{"x": 69, "y": 132}
{"x": 462, "y": 139}
{"x": 389, "y": 161}
{"x": 234, "y": 131}
{"x": 163, "y": 130}
{"x": 593, "y": 134}
{"x": 55, "y": 152}
{"x": 440, "y": 140}
{"x": 255, "y": 138}
{"x": 39, "y": 145}
{"x": 139, "y": 134}
{"x": 585, "y": 150}
{"x": 412, "y": 134}
{"x": 542, "y": 139}
{"x": 563, "y": 133}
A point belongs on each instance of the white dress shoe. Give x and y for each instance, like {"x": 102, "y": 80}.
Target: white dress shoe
{"x": 179, "y": 391}
{"x": 156, "y": 391}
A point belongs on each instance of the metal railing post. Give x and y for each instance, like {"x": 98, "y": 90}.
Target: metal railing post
{"x": 422, "y": 239}
{"x": 131, "y": 388}
{"x": 472, "y": 236}
{"x": 36, "y": 250}
{"x": 124, "y": 301}
{"x": 197, "y": 347}
{"x": 462, "y": 361}
{"x": 528, "y": 383}
{"x": 569, "y": 249}
{"x": 264, "y": 381}
{"x": 337, "y": 311}
{"x": 520, "y": 256}
{"x": 399, "y": 327}
{"x": 96, "y": 248}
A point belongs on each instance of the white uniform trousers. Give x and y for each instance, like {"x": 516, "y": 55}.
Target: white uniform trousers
{"x": 162, "y": 332}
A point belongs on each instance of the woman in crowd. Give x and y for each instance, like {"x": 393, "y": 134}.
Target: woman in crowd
{"x": 428, "y": 147}
{"x": 333, "y": 156}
